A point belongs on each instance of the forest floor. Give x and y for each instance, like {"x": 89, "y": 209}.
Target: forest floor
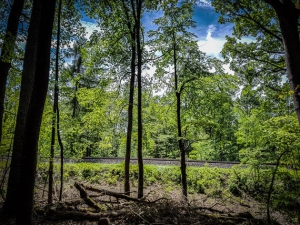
{"x": 160, "y": 206}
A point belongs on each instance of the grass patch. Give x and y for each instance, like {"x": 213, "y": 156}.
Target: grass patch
{"x": 213, "y": 182}
{"x": 205, "y": 180}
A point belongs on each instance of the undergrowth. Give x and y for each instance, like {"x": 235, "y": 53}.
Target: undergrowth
{"x": 213, "y": 182}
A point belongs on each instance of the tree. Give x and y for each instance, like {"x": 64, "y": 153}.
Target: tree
{"x": 35, "y": 112}
{"x": 132, "y": 30}
{"x": 159, "y": 125}
{"x": 7, "y": 51}
{"x": 71, "y": 35}
{"x": 274, "y": 24}
{"x": 137, "y": 13}
{"x": 172, "y": 39}
{"x": 12, "y": 195}
{"x": 288, "y": 16}
{"x": 211, "y": 122}
{"x": 55, "y": 117}
{"x": 32, "y": 97}
{"x": 268, "y": 139}
{"x": 127, "y": 34}
{"x": 73, "y": 78}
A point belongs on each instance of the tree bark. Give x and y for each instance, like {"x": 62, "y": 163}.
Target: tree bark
{"x": 61, "y": 156}
{"x": 29, "y": 68}
{"x": 54, "y": 116}
{"x": 139, "y": 78}
{"x": 179, "y": 131}
{"x": 129, "y": 125}
{"x": 288, "y": 16}
{"x": 130, "y": 104}
{"x": 6, "y": 53}
{"x": 87, "y": 199}
{"x": 35, "y": 112}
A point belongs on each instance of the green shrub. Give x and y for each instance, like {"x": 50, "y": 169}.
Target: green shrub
{"x": 87, "y": 173}
{"x": 205, "y": 180}
{"x": 112, "y": 180}
{"x": 214, "y": 182}
{"x": 233, "y": 188}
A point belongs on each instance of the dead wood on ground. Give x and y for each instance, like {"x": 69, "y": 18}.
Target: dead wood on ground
{"x": 89, "y": 201}
{"x": 132, "y": 210}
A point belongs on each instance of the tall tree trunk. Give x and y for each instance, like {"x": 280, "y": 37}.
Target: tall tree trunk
{"x": 51, "y": 161}
{"x": 130, "y": 117}
{"x": 139, "y": 78}
{"x": 179, "y": 131}
{"x": 61, "y": 156}
{"x": 55, "y": 108}
{"x": 288, "y": 16}
{"x": 181, "y": 147}
{"x": 29, "y": 67}
{"x": 35, "y": 112}
{"x": 7, "y": 50}
{"x": 132, "y": 30}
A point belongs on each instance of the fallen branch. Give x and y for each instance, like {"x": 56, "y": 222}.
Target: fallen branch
{"x": 118, "y": 195}
{"x": 113, "y": 194}
{"x": 83, "y": 194}
{"x": 78, "y": 215}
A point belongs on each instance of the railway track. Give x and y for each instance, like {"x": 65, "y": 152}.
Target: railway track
{"x": 160, "y": 161}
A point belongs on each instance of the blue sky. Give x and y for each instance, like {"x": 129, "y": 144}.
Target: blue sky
{"x": 211, "y": 34}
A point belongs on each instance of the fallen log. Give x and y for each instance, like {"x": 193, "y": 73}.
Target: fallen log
{"x": 119, "y": 195}
{"x": 89, "y": 201}
{"x": 114, "y": 194}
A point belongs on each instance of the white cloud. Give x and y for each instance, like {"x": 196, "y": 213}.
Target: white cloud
{"x": 211, "y": 46}
{"x": 89, "y": 28}
{"x": 227, "y": 69}
{"x": 204, "y": 3}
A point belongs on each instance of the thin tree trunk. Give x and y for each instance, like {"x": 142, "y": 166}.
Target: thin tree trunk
{"x": 55, "y": 108}
{"x": 51, "y": 161}
{"x": 61, "y": 157}
{"x": 272, "y": 184}
{"x": 130, "y": 102}
{"x": 181, "y": 148}
{"x": 7, "y": 50}
{"x": 130, "y": 117}
{"x": 179, "y": 131}
{"x": 12, "y": 196}
{"x": 35, "y": 112}
{"x": 139, "y": 78}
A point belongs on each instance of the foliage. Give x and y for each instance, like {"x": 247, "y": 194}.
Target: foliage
{"x": 246, "y": 116}
{"x": 285, "y": 193}
{"x": 268, "y": 139}
{"x": 209, "y": 181}
{"x": 214, "y": 182}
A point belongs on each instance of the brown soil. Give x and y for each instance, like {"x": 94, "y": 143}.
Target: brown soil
{"x": 160, "y": 206}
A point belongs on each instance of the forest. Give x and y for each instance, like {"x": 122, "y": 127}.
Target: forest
{"x": 133, "y": 82}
